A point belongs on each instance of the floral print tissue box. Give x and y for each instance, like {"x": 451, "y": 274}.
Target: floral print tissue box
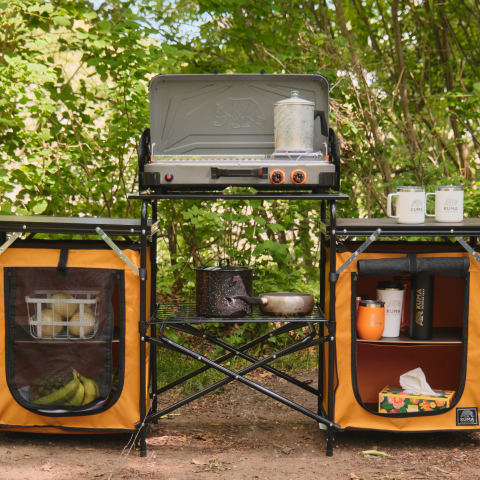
{"x": 396, "y": 400}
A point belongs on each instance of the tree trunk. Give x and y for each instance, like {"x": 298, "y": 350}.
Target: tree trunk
{"x": 402, "y": 87}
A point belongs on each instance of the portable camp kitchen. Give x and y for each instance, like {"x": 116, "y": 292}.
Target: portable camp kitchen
{"x": 225, "y": 120}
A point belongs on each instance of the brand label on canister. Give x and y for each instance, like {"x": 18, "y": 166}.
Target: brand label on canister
{"x": 467, "y": 416}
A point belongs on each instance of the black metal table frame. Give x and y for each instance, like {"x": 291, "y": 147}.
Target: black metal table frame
{"x": 147, "y": 326}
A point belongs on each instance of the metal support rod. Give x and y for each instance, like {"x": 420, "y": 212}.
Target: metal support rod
{"x": 239, "y": 376}
{"x": 468, "y": 248}
{"x": 153, "y": 303}
{"x": 228, "y": 356}
{"x": 8, "y": 242}
{"x": 321, "y": 348}
{"x": 360, "y": 250}
{"x": 198, "y": 333}
{"x": 331, "y": 326}
{"x": 143, "y": 313}
{"x": 112, "y": 245}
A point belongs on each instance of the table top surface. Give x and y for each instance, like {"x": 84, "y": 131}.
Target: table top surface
{"x": 390, "y": 226}
{"x": 72, "y": 225}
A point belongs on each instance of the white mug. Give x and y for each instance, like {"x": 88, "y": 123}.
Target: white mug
{"x": 410, "y": 205}
{"x": 448, "y": 204}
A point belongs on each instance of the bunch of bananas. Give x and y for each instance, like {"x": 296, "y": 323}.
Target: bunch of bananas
{"x": 78, "y": 391}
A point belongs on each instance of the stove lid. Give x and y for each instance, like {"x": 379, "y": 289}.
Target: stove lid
{"x": 226, "y": 114}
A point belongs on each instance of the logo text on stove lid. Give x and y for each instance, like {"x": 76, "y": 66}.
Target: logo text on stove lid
{"x": 238, "y": 113}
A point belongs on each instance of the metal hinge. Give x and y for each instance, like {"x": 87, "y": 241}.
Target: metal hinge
{"x": 9, "y": 242}
{"x": 468, "y": 248}
{"x": 360, "y": 250}
{"x": 112, "y": 245}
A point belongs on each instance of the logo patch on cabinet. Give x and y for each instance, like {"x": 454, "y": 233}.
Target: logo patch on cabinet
{"x": 467, "y": 416}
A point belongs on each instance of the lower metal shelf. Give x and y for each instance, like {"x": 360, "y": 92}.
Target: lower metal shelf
{"x": 169, "y": 313}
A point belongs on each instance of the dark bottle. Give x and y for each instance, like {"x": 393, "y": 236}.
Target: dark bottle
{"x": 421, "y": 307}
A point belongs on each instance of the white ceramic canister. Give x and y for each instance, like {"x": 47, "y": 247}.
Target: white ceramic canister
{"x": 392, "y": 294}
{"x": 410, "y": 205}
{"x": 448, "y": 204}
{"x": 294, "y": 124}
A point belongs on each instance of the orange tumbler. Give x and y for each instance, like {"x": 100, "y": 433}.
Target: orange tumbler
{"x": 370, "y": 319}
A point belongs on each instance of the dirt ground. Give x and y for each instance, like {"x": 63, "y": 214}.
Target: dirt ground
{"x": 240, "y": 434}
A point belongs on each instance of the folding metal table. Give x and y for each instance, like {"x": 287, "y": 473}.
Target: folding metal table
{"x": 182, "y": 318}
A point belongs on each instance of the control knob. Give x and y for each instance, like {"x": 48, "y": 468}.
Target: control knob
{"x": 277, "y": 177}
{"x": 299, "y": 177}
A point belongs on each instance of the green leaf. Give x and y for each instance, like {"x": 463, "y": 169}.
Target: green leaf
{"x": 7, "y": 121}
{"x": 65, "y": 22}
{"x": 40, "y": 207}
{"x": 476, "y": 86}
{"x": 36, "y": 67}
{"x": 100, "y": 43}
{"x": 81, "y": 35}
{"x": 376, "y": 453}
{"x": 6, "y": 208}
{"x": 90, "y": 15}
{"x": 260, "y": 220}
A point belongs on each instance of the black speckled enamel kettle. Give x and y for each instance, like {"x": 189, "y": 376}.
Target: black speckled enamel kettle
{"x": 216, "y": 283}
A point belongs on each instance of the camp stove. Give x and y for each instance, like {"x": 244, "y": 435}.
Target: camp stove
{"x": 208, "y": 132}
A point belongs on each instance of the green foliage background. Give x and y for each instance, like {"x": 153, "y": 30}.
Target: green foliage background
{"x": 74, "y": 75}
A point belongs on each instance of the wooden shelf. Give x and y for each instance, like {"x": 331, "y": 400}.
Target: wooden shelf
{"x": 441, "y": 336}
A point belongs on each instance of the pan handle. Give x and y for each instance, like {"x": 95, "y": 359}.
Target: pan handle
{"x": 247, "y": 299}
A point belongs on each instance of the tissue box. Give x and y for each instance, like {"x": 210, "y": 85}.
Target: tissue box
{"x": 396, "y": 400}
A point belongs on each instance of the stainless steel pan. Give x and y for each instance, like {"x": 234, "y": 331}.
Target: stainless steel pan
{"x": 279, "y": 304}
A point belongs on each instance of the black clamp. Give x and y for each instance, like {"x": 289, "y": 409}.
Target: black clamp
{"x": 333, "y": 277}
{"x": 142, "y": 273}
{"x": 142, "y": 327}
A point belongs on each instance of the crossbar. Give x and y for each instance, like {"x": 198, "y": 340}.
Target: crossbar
{"x": 209, "y": 338}
{"x": 228, "y": 356}
{"x": 237, "y": 376}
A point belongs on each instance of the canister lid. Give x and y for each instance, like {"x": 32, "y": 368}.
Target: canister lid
{"x": 372, "y": 303}
{"x": 386, "y": 285}
{"x": 449, "y": 188}
{"x": 410, "y": 189}
{"x": 295, "y": 100}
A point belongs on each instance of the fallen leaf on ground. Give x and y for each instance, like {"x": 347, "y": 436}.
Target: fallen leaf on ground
{"x": 376, "y": 453}
{"x": 47, "y": 467}
{"x": 354, "y": 477}
{"x": 198, "y": 462}
{"x": 286, "y": 450}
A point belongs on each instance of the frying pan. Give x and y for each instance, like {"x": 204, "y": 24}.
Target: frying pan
{"x": 279, "y": 304}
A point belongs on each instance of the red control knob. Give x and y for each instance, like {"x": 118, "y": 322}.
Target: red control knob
{"x": 277, "y": 177}
{"x": 299, "y": 177}
{"x": 168, "y": 177}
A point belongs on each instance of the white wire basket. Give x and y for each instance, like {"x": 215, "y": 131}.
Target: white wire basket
{"x": 74, "y": 318}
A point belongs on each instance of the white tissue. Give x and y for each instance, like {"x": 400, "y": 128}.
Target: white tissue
{"x": 415, "y": 381}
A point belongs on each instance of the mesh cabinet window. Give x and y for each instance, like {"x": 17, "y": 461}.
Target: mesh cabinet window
{"x": 59, "y": 329}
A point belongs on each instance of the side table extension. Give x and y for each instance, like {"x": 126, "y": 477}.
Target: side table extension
{"x": 450, "y": 359}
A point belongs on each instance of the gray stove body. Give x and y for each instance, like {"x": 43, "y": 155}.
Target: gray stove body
{"x": 208, "y": 132}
